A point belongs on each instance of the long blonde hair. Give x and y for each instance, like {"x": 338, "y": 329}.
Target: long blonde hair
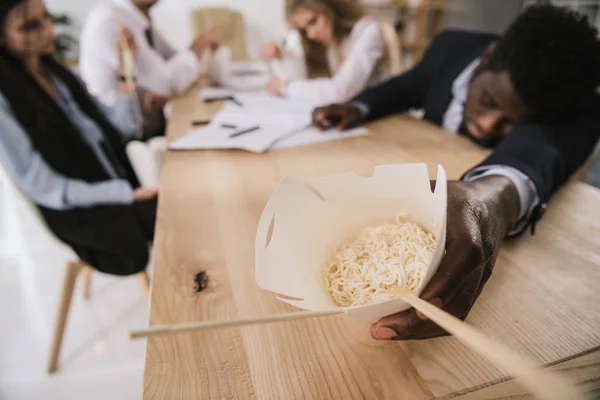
{"x": 343, "y": 15}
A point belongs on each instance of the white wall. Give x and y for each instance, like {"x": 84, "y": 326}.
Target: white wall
{"x": 264, "y": 18}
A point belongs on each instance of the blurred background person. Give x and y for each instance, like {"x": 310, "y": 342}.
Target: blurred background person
{"x": 66, "y": 152}
{"x": 343, "y": 51}
{"x": 160, "y": 70}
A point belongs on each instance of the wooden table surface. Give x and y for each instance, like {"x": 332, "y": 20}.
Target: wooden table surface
{"x": 542, "y": 299}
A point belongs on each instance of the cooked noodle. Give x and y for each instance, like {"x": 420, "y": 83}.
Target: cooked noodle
{"x": 362, "y": 272}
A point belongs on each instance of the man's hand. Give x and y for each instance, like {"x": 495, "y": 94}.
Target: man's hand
{"x": 480, "y": 214}
{"x": 154, "y": 101}
{"x": 144, "y": 194}
{"x": 211, "y": 38}
{"x": 343, "y": 116}
{"x": 270, "y": 51}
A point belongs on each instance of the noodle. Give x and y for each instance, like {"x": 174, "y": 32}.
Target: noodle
{"x": 363, "y": 271}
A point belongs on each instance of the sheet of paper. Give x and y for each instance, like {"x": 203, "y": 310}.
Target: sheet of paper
{"x": 274, "y": 104}
{"x": 312, "y": 135}
{"x": 283, "y": 123}
{"x": 210, "y": 93}
{"x": 216, "y": 136}
{"x": 246, "y": 82}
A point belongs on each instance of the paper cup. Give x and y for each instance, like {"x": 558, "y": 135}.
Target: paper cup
{"x": 301, "y": 226}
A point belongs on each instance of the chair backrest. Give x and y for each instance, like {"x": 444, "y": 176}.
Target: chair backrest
{"x": 393, "y": 48}
{"x": 231, "y": 25}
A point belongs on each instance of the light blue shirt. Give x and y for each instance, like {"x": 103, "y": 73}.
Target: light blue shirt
{"x": 48, "y": 188}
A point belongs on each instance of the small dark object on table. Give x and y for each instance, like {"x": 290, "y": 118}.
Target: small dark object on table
{"x": 201, "y": 280}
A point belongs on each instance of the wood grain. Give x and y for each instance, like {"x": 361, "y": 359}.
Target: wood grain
{"x": 209, "y": 206}
{"x": 541, "y": 299}
{"x": 584, "y": 370}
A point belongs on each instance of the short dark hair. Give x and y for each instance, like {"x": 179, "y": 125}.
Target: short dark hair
{"x": 552, "y": 56}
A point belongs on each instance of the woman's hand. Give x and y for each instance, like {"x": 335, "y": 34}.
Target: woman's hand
{"x": 144, "y": 194}
{"x": 270, "y": 51}
{"x": 275, "y": 86}
{"x": 480, "y": 214}
{"x": 211, "y": 38}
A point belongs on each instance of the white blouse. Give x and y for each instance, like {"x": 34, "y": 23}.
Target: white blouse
{"x": 358, "y": 63}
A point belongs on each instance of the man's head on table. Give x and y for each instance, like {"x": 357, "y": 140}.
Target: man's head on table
{"x": 542, "y": 69}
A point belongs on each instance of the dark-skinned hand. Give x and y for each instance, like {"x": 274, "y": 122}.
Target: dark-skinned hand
{"x": 342, "y": 116}
{"x": 480, "y": 214}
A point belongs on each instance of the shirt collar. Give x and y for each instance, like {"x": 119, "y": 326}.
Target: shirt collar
{"x": 460, "y": 86}
{"x": 134, "y": 15}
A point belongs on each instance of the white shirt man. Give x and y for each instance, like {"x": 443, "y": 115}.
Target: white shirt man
{"x": 161, "y": 71}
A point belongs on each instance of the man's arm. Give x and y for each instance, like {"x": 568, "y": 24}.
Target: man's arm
{"x": 483, "y": 211}
{"x": 398, "y": 94}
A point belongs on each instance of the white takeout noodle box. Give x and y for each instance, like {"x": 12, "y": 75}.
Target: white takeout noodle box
{"x": 301, "y": 227}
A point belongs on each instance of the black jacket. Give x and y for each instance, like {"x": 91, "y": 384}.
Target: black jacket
{"x": 548, "y": 154}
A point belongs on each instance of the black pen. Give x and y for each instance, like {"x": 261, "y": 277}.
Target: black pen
{"x": 199, "y": 123}
{"x": 213, "y": 99}
{"x": 236, "y": 101}
{"x": 230, "y": 98}
{"x": 245, "y": 131}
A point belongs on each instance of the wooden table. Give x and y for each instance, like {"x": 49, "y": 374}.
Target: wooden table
{"x": 542, "y": 299}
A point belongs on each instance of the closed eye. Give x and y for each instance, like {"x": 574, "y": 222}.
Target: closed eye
{"x": 488, "y": 101}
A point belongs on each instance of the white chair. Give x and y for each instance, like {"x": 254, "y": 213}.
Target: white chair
{"x": 231, "y": 25}
{"x": 13, "y": 199}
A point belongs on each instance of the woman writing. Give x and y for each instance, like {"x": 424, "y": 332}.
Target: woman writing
{"x": 344, "y": 52}
{"x": 65, "y": 152}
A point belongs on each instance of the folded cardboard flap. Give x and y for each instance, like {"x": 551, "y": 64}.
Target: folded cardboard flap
{"x": 307, "y": 227}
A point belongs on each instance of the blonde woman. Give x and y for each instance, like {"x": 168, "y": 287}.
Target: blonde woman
{"x": 343, "y": 52}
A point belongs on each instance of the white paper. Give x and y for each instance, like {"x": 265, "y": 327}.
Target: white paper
{"x": 307, "y": 226}
{"x": 245, "y": 75}
{"x": 312, "y": 135}
{"x": 276, "y": 132}
{"x": 215, "y": 136}
{"x": 274, "y": 104}
{"x": 211, "y": 93}
{"x": 283, "y": 123}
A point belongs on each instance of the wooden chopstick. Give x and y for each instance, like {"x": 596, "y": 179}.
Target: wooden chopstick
{"x": 160, "y": 330}
{"x": 542, "y": 383}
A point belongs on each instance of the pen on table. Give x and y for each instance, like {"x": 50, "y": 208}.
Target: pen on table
{"x": 229, "y": 126}
{"x": 236, "y": 101}
{"x": 224, "y": 98}
{"x": 245, "y": 131}
{"x": 201, "y": 122}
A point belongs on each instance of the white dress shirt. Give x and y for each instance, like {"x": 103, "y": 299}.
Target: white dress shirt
{"x": 460, "y": 88}
{"x": 357, "y": 63}
{"x": 160, "y": 68}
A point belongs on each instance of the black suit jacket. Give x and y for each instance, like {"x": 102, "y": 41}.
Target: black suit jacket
{"x": 548, "y": 154}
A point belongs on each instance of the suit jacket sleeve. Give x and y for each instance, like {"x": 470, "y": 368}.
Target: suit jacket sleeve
{"x": 408, "y": 90}
{"x": 548, "y": 154}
